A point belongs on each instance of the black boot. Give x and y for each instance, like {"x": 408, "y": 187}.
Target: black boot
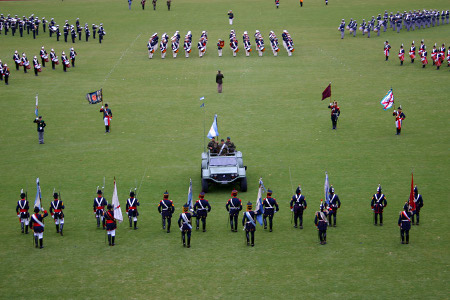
{"x": 36, "y": 241}
{"x": 57, "y": 228}
{"x": 135, "y": 225}
{"x": 21, "y": 226}
{"x": 113, "y": 239}
{"x": 248, "y": 238}
{"x": 189, "y": 242}
{"x": 197, "y": 222}
{"x": 407, "y": 237}
{"x": 204, "y": 224}
{"x": 169, "y": 222}
{"x": 402, "y": 236}
{"x": 131, "y": 222}
{"x": 270, "y": 224}
{"x": 320, "y": 238}
{"x": 26, "y": 229}
{"x": 265, "y": 223}
{"x": 61, "y": 229}
{"x": 231, "y": 225}
{"x": 183, "y": 237}
{"x": 253, "y": 238}
{"x": 98, "y": 222}
{"x": 164, "y": 223}
{"x": 109, "y": 239}
{"x": 103, "y": 224}
{"x": 41, "y": 242}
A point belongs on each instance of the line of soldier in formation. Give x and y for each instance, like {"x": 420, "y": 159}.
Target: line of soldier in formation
{"x": 104, "y": 214}
{"x": 438, "y": 54}
{"x": 152, "y": 44}
{"x": 32, "y": 24}
{"x": 22, "y": 61}
{"x": 409, "y": 20}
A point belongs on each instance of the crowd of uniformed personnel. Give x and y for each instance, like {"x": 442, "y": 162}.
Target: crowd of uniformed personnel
{"x": 224, "y": 148}
{"x": 438, "y": 54}
{"x": 326, "y": 215}
{"x": 409, "y": 20}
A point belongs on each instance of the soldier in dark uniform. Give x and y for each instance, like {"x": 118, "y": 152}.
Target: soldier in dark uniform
{"x": 378, "y": 204}
{"x": 65, "y": 61}
{"x": 334, "y": 205}
{"x": 169, "y": 2}
{"x": 111, "y": 225}
{"x": 25, "y": 63}
{"x": 101, "y": 33}
{"x": 298, "y": 205}
{"x": 94, "y": 30}
{"x": 73, "y": 33}
{"x": 143, "y": 4}
{"x": 58, "y": 33}
{"x": 154, "y": 4}
{"x": 44, "y": 23}
{"x": 87, "y": 33}
{"x": 79, "y": 30}
{"x": 419, "y": 204}
{"x": 248, "y": 221}
{"x": 43, "y": 55}
{"x": 201, "y": 210}
{"x": 219, "y": 81}
{"x": 72, "y": 55}
{"x": 212, "y": 145}
{"x": 36, "y": 65}
{"x": 166, "y": 209}
{"x": 56, "y": 207}
{"x": 16, "y": 59}
{"x": 107, "y": 115}
{"x": 185, "y": 224}
{"x": 321, "y": 223}
{"x": 22, "y": 212}
{"x": 99, "y": 208}
{"x": 66, "y": 32}
{"x": 53, "y": 58}
{"x": 40, "y": 128}
{"x": 234, "y": 206}
{"x": 270, "y": 208}
{"x": 335, "y": 113}
{"x": 404, "y": 222}
{"x": 230, "y": 145}
{"x": 50, "y": 26}
{"x": 36, "y": 25}
{"x": 222, "y": 148}
{"x": 21, "y": 24}
{"x": 131, "y": 209}
{"x": 230, "y": 17}
{"x": 6, "y": 73}
{"x": 37, "y": 224}
{"x": 399, "y": 117}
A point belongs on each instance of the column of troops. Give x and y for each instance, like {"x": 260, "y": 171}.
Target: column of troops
{"x": 438, "y": 54}
{"x": 325, "y": 217}
{"x": 32, "y": 25}
{"x": 409, "y": 20}
{"x": 175, "y": 40}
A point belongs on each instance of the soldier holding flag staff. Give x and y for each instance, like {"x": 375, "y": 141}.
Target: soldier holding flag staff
{"x": 399, "y": 117}
{"x": 107, "y": 116}
{"x": 248, "y": 221}
{"x": 321, "y": 223}
{"x": 131, "y": 208}
{"x": 56, "y": 207}
{"x": 166, "y": 208}
{"x": 23, "y": 214}
{"x": 111, "y": 225}
{"x": 378, "y": 204}
{"x": 184, "y": 222}
{"x": 37, "y": 224}
{"x": 201, "y": 210}
{"x": 419, "y": 204}
{"x": 234, "y": 206}
{"x": 334, "y": 205}
{"x": 298, "y": 205}
{"x": 335, "y": 113}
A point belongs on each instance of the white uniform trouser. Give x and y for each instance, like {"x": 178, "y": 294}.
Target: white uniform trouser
{"x": 231, "y": 21}
{"x": 26, "y": 221}
{"x": 200, "y": 53}
{"x": 150, "y": 54}
{"x": 234, "y": 53}
{"x": 163, "y": 54}
{"x": 40, "y": 235}
{"x": 260, "y": 53}
{"x": 174, "y": 54}
{"x": 289, "y": 53}
{"x": 220, "y": 52}
{"x": 275, "y": 53}
{"x": 247, "y": 53}
{"x": 187, "y": 54}
{"x": 59, "y": 221}
{"x": 112, "y": 232}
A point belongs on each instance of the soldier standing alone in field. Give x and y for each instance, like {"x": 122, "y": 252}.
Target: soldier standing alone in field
{"x": 230, "y": 17}
{"x": 378, "y": 204}
{"x": 335, "y": 113}
{"x": 399, "y": 117}
{"x": 40, "y": 129}
{"x": 219, "y": 81}
{"x": 107, "y": 116}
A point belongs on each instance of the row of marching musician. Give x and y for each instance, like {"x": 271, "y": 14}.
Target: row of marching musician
{"x": 152, "y": 44}
{"x": 438, "y": 54}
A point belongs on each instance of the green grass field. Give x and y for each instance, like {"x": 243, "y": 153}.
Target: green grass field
{"x": 272, "y": 110}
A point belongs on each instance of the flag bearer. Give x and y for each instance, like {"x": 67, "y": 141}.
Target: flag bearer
{"x": 321, "y": 222}
{"x": 234, "y": 206}
{"x": 399, "y": 117}
{"x": 419, "y": 204}
{"x": 166, "y": 208}
{"x": 111, "y": 224}
{"x": 201, "y": 209}
{"x": 107, "y": 116}
{"x": 298, "y": 205}
{"x": 184, "y": 222}
{"x": 335, "y": 113}
{"x": 404, "y": 222}
{"x": 99, "y": 208}
{"x": 334, "y": 205}
{"x": 37, "y": 224}
{"x": 378, "y": 204}
{"x": 248, "y": 221}
{"x": 56, "y": 207}
{"x": 131, "y": 208}
{"x": 24, "y": 216}
{"x": 270, "y": 208}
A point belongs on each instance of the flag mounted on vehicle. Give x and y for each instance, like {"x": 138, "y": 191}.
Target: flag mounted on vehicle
{"x": 213, "y": 132}
{"x": 95, "y": 97}
{"x": 388, "y": 100}
{"x": 327, "y": 92}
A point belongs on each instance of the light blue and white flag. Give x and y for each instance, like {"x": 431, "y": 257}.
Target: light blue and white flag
{"x": 213, "y": 132}
{"x": 37, "y": 200}
{"x": 189, "y": 201}
{"x": 326, "y": 188}
{"x": 36, "y": 109}
{"x": 388, "y": 100}
{"x": 259, "y": 210}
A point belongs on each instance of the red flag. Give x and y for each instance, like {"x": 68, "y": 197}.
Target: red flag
{"x": 412, "y": 204}
{"x": 327, "y": 92}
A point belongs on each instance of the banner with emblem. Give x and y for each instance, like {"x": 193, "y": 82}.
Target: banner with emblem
{"x": 95, "y": 97}
{"x": 388, "y": 100}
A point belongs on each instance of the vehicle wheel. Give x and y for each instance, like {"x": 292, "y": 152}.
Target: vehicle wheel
{"x": 204, "y": 185}
{"x": 244, "y": 184}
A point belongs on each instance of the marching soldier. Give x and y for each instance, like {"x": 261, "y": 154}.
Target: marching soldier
{"x": 166, "y": 208}
{"x": 50, "y": 27}
{"x": 341, "y": 28}
{"x": 54, "y": 58}
{"x": 334, "y": 205}
{"x": 201, "y": 210}
{"x": 270, "y": 208}
{"x": 412, "y": 52}
{"x": 152, "y": 45}
{"x": 298, "y": 205}
{"x": 287, "y": 42}
{"x": 423, "y": 58}
{"x": 58, "y": 33}
{"x": 44, "y": 23}
{"x": 99, "y": 208}
{"x": 87, "y": 32}
{"x": 399, "y": 117}
{"x": 94, "y": 30}
{"x": 230, "y": 145}
{"x": 79, "y": 30}
{"x": 404, "y": 222}
{"x": 248, "y": 221}
{"x": 131, "y": 209}
{"x": 234, "y": 43}
{"x": 101, "y": 33}
{"x": 163, "y": 46}
{"x": 154, "y": 4}
{"x": 40, "y": 128}
{"x": 21, "y": 24}
{"x": 201, "y": 46}
{"x": 401, "y": 55}
{"x": 321, "y": 223}
{"x": 143, "y": 4}
{"x": 73, "y": 33}
{"x": 111, "y": 225}
{"x": 56, "y": 207}
{"x": 184, "y": 222}
{"x": 66, "y": 32}
{"x": 212, "y": 145}
{"x": 247, "y": 44}
{"x": 44, "y": 56}
{"x": 65, "y": 61}
{"x": 378, "y": 204}
{"x": 72, "y": 56}
{"x": 37, "y": 224}
{"x": 6, "y": 73}
{"x": 234, "y": 206}
{"x": 230, "y": 17}
{"x": 187, "y": 43}
{"x": 259, "y": 43}
{"x": 16, "y": 59}
{"x": 23, "y": 214}
{"x": 419, "y": 204}
{"x": 25, "y": 63}
{"x": 36, "y": 66}
{"x": 169, "y": 2}
{"x": 274, "y": 43}
{"x": 107, "y": 116}
{"x": 220, "y": 45}
{"x": 335, "y": 113}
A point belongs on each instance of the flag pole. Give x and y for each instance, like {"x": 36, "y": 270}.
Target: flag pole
{"x": 331, "y": 94}
{"x": 204, "y": 128}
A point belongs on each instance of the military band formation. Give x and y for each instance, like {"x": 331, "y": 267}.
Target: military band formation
{"x": 104, "y": 214}
{"x": 409, "y": 20}
{"x": 174, "y": 46}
